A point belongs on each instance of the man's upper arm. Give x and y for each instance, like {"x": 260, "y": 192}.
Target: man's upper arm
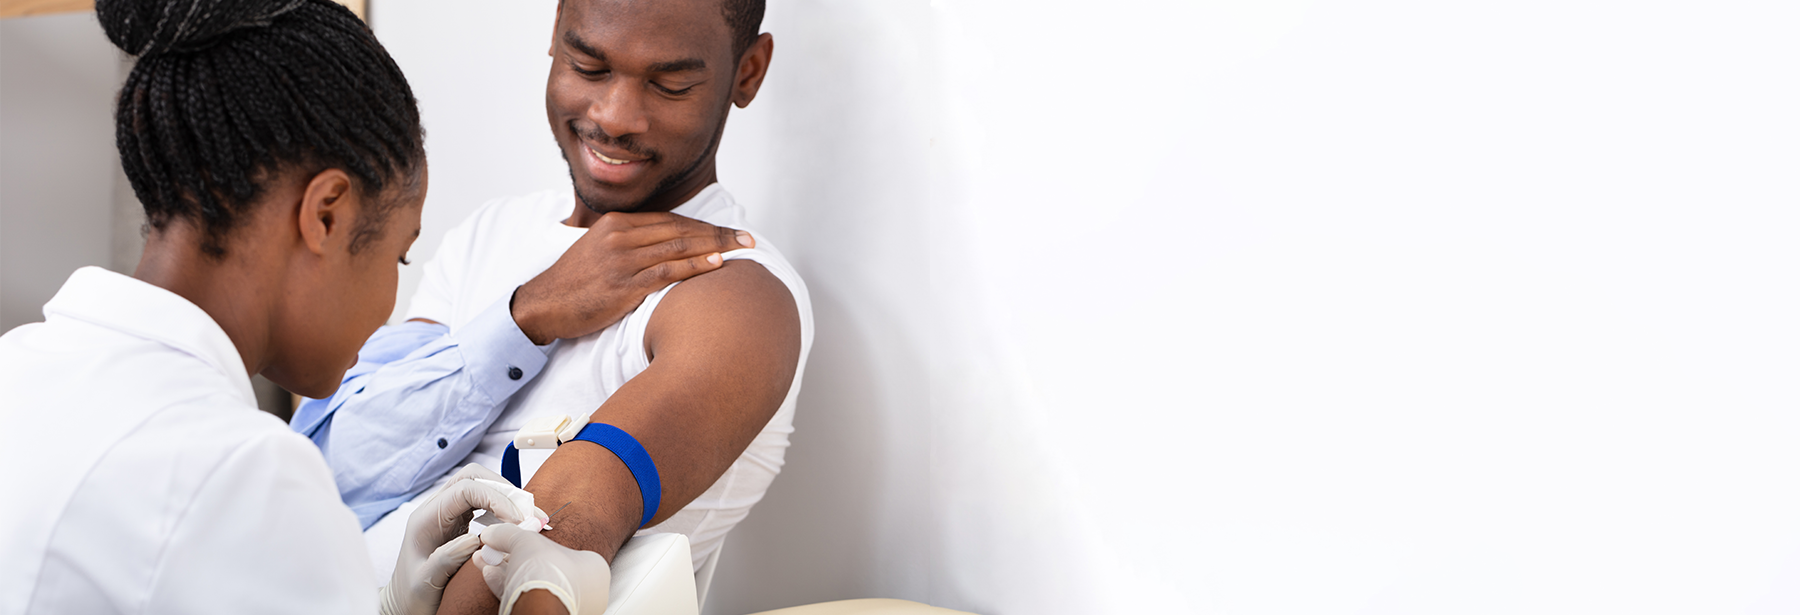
{"x": 724, "y": 348}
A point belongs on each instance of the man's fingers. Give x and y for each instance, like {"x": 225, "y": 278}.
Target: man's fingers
{"x": 669, "y": 272}
{"x": 667, "y": 243}
{"x": 688, "y": 237}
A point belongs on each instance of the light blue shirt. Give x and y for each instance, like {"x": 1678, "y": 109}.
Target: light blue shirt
{"x": 415, "y": 404}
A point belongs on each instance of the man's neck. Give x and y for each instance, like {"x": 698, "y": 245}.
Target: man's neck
{"x": 583, "y": 217}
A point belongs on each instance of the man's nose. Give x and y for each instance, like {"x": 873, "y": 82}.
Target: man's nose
{"x": 619, "y": 111}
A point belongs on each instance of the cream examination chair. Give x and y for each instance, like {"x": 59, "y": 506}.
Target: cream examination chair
{"x": 873, "y": 606}
{"x": 654, "y": 575}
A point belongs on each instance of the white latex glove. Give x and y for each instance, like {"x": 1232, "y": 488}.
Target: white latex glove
{"x": 437, "y": 540}
{"x": 580, "y": 579}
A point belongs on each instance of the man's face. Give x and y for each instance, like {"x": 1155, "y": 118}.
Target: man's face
{"x": 637, "y": 98}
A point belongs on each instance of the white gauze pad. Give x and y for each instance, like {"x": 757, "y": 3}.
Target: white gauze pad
{"x": 520, "y": 498}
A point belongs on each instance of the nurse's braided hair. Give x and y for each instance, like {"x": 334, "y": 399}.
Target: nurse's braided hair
{"x": 227, "y": 94}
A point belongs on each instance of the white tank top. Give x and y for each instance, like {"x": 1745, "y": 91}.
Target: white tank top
{"x": 509, "y": 241}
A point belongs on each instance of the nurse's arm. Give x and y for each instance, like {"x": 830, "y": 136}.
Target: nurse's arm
{"x": 723, "y": 349}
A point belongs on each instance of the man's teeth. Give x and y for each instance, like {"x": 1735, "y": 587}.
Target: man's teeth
{"x": 606, "y": 160}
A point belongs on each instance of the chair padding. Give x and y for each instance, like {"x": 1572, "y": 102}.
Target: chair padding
{"x": 870, "y": 606}
{"x": 653, "y": 575}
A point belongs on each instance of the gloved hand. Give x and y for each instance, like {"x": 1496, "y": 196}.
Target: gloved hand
{"x": 438, "y": 540}
{"x": 580, "y": 579}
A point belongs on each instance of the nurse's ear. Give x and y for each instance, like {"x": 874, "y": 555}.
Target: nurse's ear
{"x": 328, "y": 210}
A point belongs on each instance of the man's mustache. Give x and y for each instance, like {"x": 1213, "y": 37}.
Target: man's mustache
{"x": 625, "y": 143}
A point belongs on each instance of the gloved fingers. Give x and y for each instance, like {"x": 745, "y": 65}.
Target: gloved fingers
{"x": 476, "y": 470}
{"x": 506, "y": 537}
{"x": 494, "y": 576}
{"x": 453, "y": 519}
{"x": 491, "y": 519}
{"x": 447, "y": 559}
{"x": 462, "y": 497}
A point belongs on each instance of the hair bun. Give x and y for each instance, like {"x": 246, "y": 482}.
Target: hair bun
{"x": 152, "y": 27}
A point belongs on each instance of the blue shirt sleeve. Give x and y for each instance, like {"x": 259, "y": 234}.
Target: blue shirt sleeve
{"x": 417, "y": 402}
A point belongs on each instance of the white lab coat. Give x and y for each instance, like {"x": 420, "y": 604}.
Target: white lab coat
{"x": 141, "y": 478}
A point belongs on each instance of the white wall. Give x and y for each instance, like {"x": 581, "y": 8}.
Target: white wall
{"x": 1249, "y": 307}
{"x": 478, "y": 71}
{"x": 58, "y": 77}
{"x": 1379, "y": 307}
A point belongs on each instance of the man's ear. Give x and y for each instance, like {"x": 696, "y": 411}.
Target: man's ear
{"x": 327, "y": 210}
{"x": 751, "y": 70}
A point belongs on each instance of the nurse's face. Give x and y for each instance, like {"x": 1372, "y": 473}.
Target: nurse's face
{"x": 329, "y": 317}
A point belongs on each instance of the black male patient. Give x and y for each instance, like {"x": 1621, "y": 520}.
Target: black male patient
{"x": 636, "y": 297}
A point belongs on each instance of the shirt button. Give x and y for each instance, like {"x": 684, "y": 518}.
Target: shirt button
{"x": 515, "y": 373}
{"x": 443, "y": 443}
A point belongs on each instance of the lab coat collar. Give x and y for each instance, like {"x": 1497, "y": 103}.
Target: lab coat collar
{"x": 137, "y": 308}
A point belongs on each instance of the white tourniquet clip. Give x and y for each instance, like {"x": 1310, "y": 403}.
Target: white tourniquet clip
{"x": 548, "y": 431}
{"x": 540, "y": 436}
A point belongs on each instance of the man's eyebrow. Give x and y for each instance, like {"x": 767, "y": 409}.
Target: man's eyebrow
{"x": 675, "y": 66}
{"x": 582, "y": 46}
{"x": 678, "y": 66}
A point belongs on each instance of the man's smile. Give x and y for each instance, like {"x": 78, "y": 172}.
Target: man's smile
{"x": 612, "y": 160}
{"x": 612, "y": 166}
{"x": 606, "y": 160}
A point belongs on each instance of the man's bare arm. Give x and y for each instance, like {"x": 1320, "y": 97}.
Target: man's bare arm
{"x": 723, "y": 350}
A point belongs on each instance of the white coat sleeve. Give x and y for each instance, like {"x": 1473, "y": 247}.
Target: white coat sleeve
{"x": 266, "y": 534}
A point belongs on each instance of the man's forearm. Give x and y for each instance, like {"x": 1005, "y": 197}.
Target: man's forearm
{"x": 602, "y": 513}
{"x": 468, "y": 594}
{"x": 604, "y": 506}
{"x": 539, "y": 602}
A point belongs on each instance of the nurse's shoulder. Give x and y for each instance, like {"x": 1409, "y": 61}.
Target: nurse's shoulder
{"x": 205, "y": 505}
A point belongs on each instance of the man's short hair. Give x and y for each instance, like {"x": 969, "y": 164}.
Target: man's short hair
{"x": 745, "y": 19}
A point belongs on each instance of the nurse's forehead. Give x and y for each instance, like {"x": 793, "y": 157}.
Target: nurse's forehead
{"x": 648, "y": 30}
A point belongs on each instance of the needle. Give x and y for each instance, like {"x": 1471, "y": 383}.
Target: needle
{"x": 553, "y": 515}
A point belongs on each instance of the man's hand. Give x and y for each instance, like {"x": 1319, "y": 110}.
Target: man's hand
{"x": 607, "y": 273}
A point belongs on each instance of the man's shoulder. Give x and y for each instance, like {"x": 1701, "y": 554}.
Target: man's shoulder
{"x": 757, "y": 282}
{"x": 744, "y": 299}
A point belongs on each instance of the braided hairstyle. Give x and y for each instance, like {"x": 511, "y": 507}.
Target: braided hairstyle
{"x": 227, "y": 94}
